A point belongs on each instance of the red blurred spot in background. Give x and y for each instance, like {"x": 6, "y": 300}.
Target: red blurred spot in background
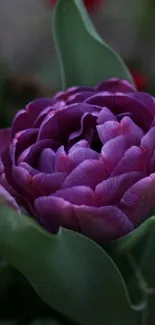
{"x": 90, "y": 4}
{"x": 139, "y": 79}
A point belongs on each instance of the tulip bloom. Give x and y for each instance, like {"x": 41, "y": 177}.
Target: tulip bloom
{"x": 84, "y": 160}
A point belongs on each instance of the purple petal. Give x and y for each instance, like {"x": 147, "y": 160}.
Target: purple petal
{"x": 148, "y": 142}
{"x": 79, "y": 97}
{"x": 46, "y": 184}
{"x": 24, "y": 119}
{"x": 77, "y": 156}
{"x": 24, "y": 180}
{"x": 114, "y": 85}
{"x": 141, "y": 114}
{"x": 88, "y": 121}
{"x": 32, "y": 171}
{"x": 65, "y": 95}
{"x": 113, "y": 151}
{"x": 134, "y": 160}
{"x": 79, "y": 144}
{"x": 101, "y": 224}
{"x": 31, "y": 157}
{"x": 62, "y": 162}
{"x": 6, "y": 197}
{"x": 145, "y": 99}
{"x": 129, "y": 127}
{"x": 63, "y": 122}
{"x": 54, "y": 212}
{"x": 21, "y": 141}
{"x": 105, "y": 115}
{"x": 46, "y": 161}
{"x": 139, "y": 199}
{"x": 4, "y": 138}
{"x": 111, "y": 190}
{"x": 108, "y": 131}
{"x": 77, "y": 195}
{"x": 88, "y": 173}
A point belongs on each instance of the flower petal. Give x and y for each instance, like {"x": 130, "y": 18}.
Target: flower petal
{"x": 54, "y": 212}
{"x": 134, "y": 160}
{"x": 114, "y": 85}
{"x": 46, "y": 184}
{"x": 77, "y": 195}
{"x": 46, "y": 161}
{"x": 112, "y": 189}
{"x": 105, "y": 115}
{"x": 25, "y": 118}
{"x": 89, "y": 173}
{"x": 5, "y": 135}
{"x": 139, "y": 199}
{"x": 102, "y": 224}
{"x": 6, "y": 197}
{"x": 148, "y": 142}
{"x": 113, "y": 150}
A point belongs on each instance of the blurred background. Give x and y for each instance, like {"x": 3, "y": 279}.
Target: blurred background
{"x": 28, "y": 63}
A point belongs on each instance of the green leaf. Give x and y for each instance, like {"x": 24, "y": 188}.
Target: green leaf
{"x": 85, "y": 59}
{"x": 140, "y": 245}
{"x": 126, "y": 243}
{"x": 69, "y": 272}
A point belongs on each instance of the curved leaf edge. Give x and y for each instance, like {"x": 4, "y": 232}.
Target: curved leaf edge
{"x": 30, "y": 223}
{"x": 90, "y": 29}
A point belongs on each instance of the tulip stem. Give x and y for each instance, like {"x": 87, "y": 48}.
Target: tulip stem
{"x": 145, "y": 314}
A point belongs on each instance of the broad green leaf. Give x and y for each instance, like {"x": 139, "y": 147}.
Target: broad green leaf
{"x": 69, "y": 272}
{"x": 140, "y": 245}
{"x": 85, "y": 59}
{"x": 128, "y": 242}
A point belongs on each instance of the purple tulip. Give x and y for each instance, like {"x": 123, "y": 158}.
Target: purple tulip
{"x": 84, "y": 160}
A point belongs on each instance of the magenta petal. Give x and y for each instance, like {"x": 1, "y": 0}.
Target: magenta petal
{"x": 139, "y": 199}
{"x": 77, "y": 195}
{"x": 112, "y": 189}
{"x": 115, "y": 85}
{"x": 54, "y": 212}
{"x": 46, "y": 161}
{"x": 101, "y": 224}
{"x": 4, "y": 138}
{"x": 6, "y": 197}
{"x": 134, "y": 160}
{"x": 47, "y": 184}
{"x": 88, "y": 173}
